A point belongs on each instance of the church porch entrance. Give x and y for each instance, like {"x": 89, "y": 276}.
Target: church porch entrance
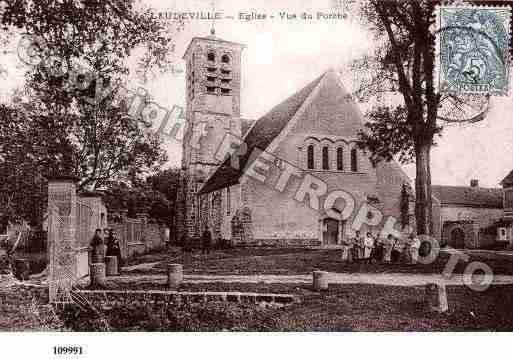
{"x": 331, "y": 231}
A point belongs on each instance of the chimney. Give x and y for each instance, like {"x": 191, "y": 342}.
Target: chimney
{"x": 474, "y": 183}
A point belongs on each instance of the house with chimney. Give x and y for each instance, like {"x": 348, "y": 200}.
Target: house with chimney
{"x": 469, "y": 216}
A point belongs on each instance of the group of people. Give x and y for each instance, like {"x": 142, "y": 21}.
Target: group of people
{"x": 206, "y": 242}
{"x": 387, "y": 250}
{"x": 105, "y": 243}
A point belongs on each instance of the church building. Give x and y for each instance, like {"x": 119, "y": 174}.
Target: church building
{"x": 313, "y": 134}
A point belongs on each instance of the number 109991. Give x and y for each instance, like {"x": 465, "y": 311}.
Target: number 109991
{"x": 69, "y": 350}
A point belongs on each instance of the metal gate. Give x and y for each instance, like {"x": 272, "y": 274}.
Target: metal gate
{"x": 71, "y": 225}
{"x": 86, "y": 224}
{"x": 62, "y": 274}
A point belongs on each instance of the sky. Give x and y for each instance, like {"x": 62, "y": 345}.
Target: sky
{"x": 281, "y": 56}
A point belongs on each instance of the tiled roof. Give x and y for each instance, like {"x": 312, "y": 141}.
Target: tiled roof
{"x": 245, "y": 125}
{"x": 468, "y": 196}
{"x": 260, "y": 136}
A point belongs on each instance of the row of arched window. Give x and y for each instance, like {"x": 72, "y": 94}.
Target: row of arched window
{"x": 325, "y": 155}
{"x": 211, "y": 56}
{"x": 218, "y": 79}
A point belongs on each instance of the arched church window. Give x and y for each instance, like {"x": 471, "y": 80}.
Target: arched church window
{"x": 310, "y": 157}
{"x": 225, "y": 59}
{"x": 354, "y": 160}
{"x": 325, "y": 158}
{"x": 340, "y": 159}
{"x": 198, "y": 212}
{"x": 228, "y": 201}
{"x": 211, "y": 56}
{"x": 213, "y": 204}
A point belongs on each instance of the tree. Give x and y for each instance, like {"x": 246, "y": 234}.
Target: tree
{"x": 403, "y": 63}
{"x": 101, "y": 32}
{"x": 83, "y": 46}
{"x": 90, "y": 42}
{"x": 29, "y": 153}
{"x": 167, "y": 182}
{"x": 138, "y": 198}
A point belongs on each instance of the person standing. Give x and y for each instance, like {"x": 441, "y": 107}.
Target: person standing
{"x": 97, "y": 247}
{"x": 368, "y": 245}
{"x": 347, "y": 247}
{"x": 361, "y": 246}
{"x": 397, "y": 250}
{"x": 414, "y": 246}
{"x": 113, "y": 247}
{"x": 407, "y": 249}
{"x": 5, "y": 257}
{"x": 388, "y": 244}
{"x": 206, "y": 241}
{"x": 357, "y": 242}
{"x": 378, "y": 249}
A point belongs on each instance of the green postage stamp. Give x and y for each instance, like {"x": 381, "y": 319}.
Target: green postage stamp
{"x": 473, "y": 49}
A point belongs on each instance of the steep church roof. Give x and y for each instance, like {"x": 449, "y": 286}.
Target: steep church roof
{"x": 508, "y": 180}
{"x": 245, "y": 125}
{"x": 260, "y": 136}
{"x": 468, "y": 196}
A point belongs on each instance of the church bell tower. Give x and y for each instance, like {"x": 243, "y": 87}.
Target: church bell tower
{"x": 213, "y": 77}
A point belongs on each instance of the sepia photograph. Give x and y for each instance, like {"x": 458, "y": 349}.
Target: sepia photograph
{"x": 255, "y": 166}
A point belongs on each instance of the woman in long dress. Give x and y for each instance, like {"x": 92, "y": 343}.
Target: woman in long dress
{"x": 356, "y": 246}
{"x": 347, "y": 247}
{"x": 414, "y": 249}
{"x": 388, "y": 245}
{"x": 368, "y": 243}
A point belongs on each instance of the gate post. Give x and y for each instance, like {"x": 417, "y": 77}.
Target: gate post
{"x": 62, "y": 213}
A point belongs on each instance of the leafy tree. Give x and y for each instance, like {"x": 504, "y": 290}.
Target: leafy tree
{"x": 64, "y": 132}
{"x": 30, "y": 150}
{"x": 405, "y": 205}
{"x": 167, "y": 182}
{"x": 138, "y": 198}
{"x": 403, "y": 64}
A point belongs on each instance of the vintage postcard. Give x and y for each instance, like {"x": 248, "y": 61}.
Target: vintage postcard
{"x": 255, "y": 166}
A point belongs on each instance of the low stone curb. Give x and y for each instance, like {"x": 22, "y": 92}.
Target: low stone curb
{"x": 167, "y": 297}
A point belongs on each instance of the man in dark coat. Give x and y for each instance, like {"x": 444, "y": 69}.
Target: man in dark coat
{"x": 206, "y": 241}
{"x": 113, "y": 248}
{"x": 5, "y": 257}
{"x": 97, "y": 249}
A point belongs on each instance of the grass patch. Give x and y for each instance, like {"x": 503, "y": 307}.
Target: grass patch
{"x": 288, "y": 261}
{"x": 340, "y": 308}
{"x": 27, "y": 309}
{"x": 386, "y": 308}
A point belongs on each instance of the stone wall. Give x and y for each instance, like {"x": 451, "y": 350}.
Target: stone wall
{"x": 137, "y": 236}
{"x": 165, "y": 298}
{"x": 477, "y": 218}
{"x": 475, "y": 235}
{"x": 469, "y": 230}
{"x": 483, "y": 216}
